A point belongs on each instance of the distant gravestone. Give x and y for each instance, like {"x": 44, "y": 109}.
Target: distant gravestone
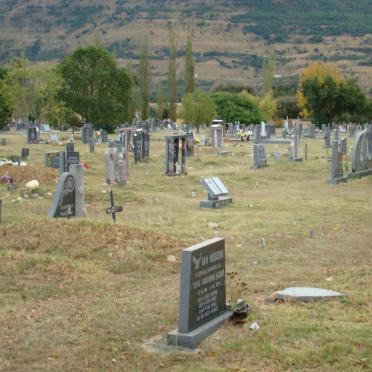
{"x": 217, "y": 135}
{"x": 116, "y": 166}
{"x": 259, "y": 156}
{"x": 172, "y": 152}
{"x": 87, "y": 133}
{"x": 202, "y": 306}
{"x": 70, "y": 147}
{"x": 25, "y": 153}
{"x": 327, "y": 137}
{"x": 16, "y": 159}
{"x": 32, "y": 135}
{"x": 3, "y": 142}
{"x": 104, "y": 136}
{"x": 190, "y": 144}
{"x": 309, "y": 131}
{"x": 337, "y": 173}
{"x": 218, "y": 194}
{"x": 295, "y": 146}
{"x": 141, "y": 145}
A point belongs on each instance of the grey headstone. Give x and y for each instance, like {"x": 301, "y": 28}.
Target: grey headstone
{"x": 77, "y": 171}
{"x": 202, "y": 305}
{"x": 64, "y": 199}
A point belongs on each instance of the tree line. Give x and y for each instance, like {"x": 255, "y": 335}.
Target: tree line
{"x": 89, "y": 86}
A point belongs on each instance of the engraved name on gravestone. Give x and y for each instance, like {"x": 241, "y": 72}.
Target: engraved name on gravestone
{"x": 202, "y": 305}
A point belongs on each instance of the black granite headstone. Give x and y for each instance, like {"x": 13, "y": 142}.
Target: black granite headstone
{"x": 64, "y": 198}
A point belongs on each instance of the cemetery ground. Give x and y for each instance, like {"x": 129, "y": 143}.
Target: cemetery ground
{"x": 84, "y": 294}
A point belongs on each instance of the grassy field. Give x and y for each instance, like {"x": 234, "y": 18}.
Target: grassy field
{"x": 85, "y": 294}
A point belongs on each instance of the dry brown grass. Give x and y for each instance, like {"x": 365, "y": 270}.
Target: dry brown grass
{"x": 85, "y": 294}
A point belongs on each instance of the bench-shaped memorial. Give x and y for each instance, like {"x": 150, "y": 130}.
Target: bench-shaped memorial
{"x": 218, "y": 194}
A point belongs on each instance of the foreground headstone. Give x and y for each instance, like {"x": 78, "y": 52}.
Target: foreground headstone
{"x": 218, "y": 194}
{"x": 116, "y": 166}
{"x": 202, "y": 306}
{"x": 306, "y": 294}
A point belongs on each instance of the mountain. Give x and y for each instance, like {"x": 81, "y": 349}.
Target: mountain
{"x": 231, "y": 37}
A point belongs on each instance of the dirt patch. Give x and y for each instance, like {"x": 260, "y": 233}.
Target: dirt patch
{"x": 27, "y": 173}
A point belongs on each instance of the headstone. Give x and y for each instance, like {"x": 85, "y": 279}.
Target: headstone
{"x": 3, "y": 142}
{"x": 125, "y": 136}
{"x": 64, "y": 199}
{"x": 173, "y": 167}
{"x": 259, "y": 156}
{"x": 327, "y": 137}
{"x": 87, "y": 133}
{"x": 190, "y": 143}
{"x": 361, "y": 162}
{"x": 77, "y": 171}
{"x": 306, "y": 294}
{"x": 202, "y": 306}
{"x": 217, "y": 135}
{"x": 337, "y": 173}
{"x": 52, "y": 160}
{"x": 104, "y": 136}
{"x": 16, "y": 159}
{"x": 25, "y": 153}
{"x": 71, "y": 158}
{"x": 116, "y": 166}
{"x": 32, "y": 135}
{"x": 218, "y": 194}
{"x": 295, "y": 146}
{"x": 309, "y": 131}
{"x": 70, "y": 147}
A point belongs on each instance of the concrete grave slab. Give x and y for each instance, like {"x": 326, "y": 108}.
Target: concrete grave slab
{"x": 306, "y": 294}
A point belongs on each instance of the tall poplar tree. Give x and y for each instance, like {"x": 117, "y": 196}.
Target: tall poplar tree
{"x": 189, "y": 65}
{"x": 268, "y": 74}
{"x": 160, "y": 101}
{"x": 172, "y": 79}
{"x": 144, "y": 80}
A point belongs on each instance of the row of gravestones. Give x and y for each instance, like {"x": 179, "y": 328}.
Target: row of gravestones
{"x": 361, "y": 161}
{"x": 62, "y": 160}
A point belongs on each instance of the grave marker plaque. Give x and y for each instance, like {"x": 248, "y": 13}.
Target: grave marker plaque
{"x": 70, "y": 147}
{"x": 202, "y": 306}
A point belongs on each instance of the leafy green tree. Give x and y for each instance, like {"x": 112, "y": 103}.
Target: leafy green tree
{"x": 172, "y": 76}
{"x": 160, "y": 101}
{"x": 321, "y": 98}
{"x": 95, "y": 88}
{"x": 352, "y": 103}
{"x": 144, "y": 80}
{"x": 6, "y": 109}
{"x": 20, "y": 81}
{"x": 189, "y": 65}
{"x": 198, "y": 108}
{"x": 236, "y": 107}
